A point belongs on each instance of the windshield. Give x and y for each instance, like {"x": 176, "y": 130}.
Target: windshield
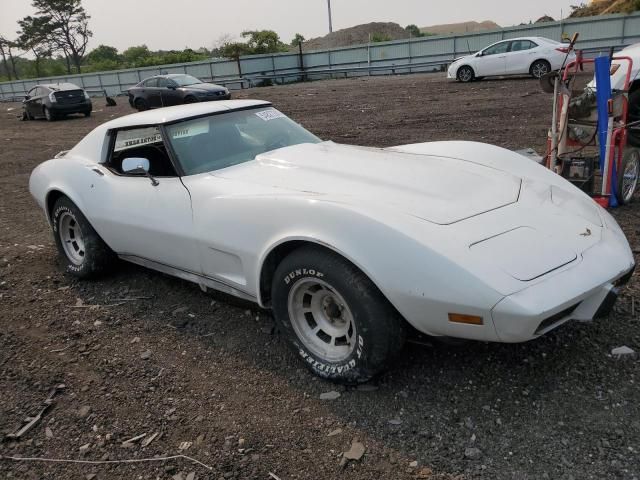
{"x": 184, "y": 80}
{"x": 219, "y": 141}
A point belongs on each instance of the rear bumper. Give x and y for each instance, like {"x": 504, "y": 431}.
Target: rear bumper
{"x": 71, "y": 108}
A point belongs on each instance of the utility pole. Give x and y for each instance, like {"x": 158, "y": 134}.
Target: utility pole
{"x": 330, "y": 23}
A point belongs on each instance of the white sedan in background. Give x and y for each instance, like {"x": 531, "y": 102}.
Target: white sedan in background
{"x": 517, "y": 56}
{"x": 347, "y": 245}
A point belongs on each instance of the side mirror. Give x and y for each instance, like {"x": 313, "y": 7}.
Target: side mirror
{"x": 135, "y": 165}
{"x": 479, "y": 54}
{"x": 138, "y": 166}
{"x": 27, "y": 97}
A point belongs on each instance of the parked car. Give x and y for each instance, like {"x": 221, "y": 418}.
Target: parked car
{"x": 55, "y": 100}
{"x": 534, "y": 56}
{"x": 347, "y": 245}
{"x": 174, "y": 89}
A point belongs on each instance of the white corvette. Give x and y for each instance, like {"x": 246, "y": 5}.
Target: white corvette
{"x": 534, "y": 56}
{"x": 347, "y": 245}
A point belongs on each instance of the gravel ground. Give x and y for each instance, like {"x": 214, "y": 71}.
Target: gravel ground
{"x": 142, "y": 353}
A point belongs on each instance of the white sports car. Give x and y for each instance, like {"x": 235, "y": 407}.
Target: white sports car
{"x": 347, "y": 245}
{"x": 533, "y": 56}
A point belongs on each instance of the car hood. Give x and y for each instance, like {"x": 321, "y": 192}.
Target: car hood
{"x": 438, "y": 189}
{"x": 204, "y": 87}
{"x": 464, "y": 57}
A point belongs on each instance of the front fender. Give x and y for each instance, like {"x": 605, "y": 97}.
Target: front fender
{"x": 56, "y": 175}
{"x": 391, "y": 248}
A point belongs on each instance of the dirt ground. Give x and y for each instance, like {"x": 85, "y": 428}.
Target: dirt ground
{"x": 143, "y": 353}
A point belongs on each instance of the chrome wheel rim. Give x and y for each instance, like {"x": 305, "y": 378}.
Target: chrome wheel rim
{"x": 630, "y": 178}
{"x": 465, "y": 74}
{"x": 539, "y": 69}
{"x": 322, "y": 319}
{"x": 71, "y": 238}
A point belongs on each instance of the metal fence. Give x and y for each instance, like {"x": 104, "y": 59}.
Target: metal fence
{"x": 401, "y": 56}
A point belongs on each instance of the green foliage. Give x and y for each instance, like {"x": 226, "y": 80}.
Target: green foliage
{"x": 66, "y": 27}
{"x": 380, "y": 37}
{"x": 234, "y": 50}
{"x": 414, "y": 31}
{"x": 297, "y": 40}
{"x": 264, "y": 41}
{"x": 103, "y": 53}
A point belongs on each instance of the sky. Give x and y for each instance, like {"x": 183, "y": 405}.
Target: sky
{"x": 170, "y": 24}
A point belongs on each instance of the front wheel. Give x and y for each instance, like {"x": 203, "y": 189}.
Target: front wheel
{"x": 465, "y": 74}
{"x": 628, "y": 175}
{"x": 334, "y": 317}
{"x": 540, "y": 68}
{"x": 82, "y": 250}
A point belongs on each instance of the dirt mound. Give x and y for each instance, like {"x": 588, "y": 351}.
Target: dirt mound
{"x": 605, "y": 7}
{"x": 379, "y": 31}
{"x": 462, "y": 27}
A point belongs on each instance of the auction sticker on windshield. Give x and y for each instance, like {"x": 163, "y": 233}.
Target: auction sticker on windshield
{"x": 270, "y": 114}
{"x": 137, "y": 137}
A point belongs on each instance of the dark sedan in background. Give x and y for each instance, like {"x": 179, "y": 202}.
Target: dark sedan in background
{"x": 174, "y": 89}
{"x": 55, "y": 100}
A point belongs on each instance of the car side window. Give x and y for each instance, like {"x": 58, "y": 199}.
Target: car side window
{"x": 497, "y": 48}
{"x": 145, "y": 142}
{"x": 152, "y": 82}
{"x": 520, "y": 45}
{"x": 163, "y": 83}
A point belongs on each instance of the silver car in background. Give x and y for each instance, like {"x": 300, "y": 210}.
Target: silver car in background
{"x": 534, "y": 56}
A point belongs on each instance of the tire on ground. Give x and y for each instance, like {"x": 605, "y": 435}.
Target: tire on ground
{"x": 465, "y": 74}
{"x": 97, "y": 257}
{"x": 539, "y": 68}
{"x": 630, "y": 163}
{"x": 379, "y": 331}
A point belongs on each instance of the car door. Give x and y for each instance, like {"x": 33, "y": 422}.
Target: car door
{"x": 136, "y": 218}
{"x": 30, "y": 100}
{"x": 520, "y": 56}
{"x": 169, "y": 92}
{"x": 152, "y": 93}
{"x": 492, "y": 60}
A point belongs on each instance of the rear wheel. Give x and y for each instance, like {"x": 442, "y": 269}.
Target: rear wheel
{"x": 48, "y": 114}
{"x": 141, "y": 105}
{"x": 81, "y": 248}
{"x": 628, "y": 175}
{"x": 465, "y": 74}
{"x": 334, "y": 317}
{"x": 539, "y": 68}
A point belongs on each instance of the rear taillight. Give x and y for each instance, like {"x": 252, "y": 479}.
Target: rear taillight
{"x": 562, "y": 49}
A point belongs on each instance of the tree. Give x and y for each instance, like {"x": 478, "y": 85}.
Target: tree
{"x": 35, "y": 35}
{"x": 136, "y": 56}
{"x": 103, "y": 53}
{"x": 69, "y": 27}
{"x": 6, "y": 47}
{"x": 414, "y": 31}
{"x": 264, "y": 41}
{"x": 297, "y": 40}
